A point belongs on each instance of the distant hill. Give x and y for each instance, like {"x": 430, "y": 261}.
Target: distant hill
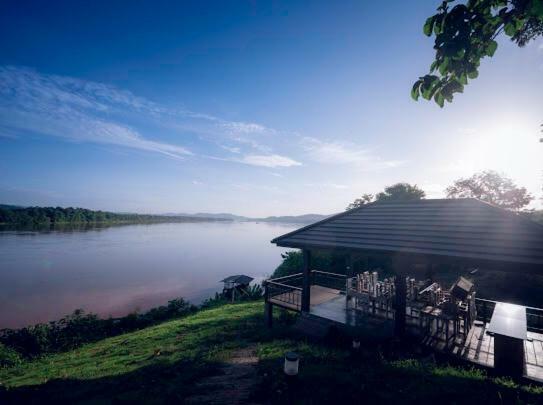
{"x": 292, "y": 219}
{"x": 223, "y": 216}
{"x": 295, "y": 219}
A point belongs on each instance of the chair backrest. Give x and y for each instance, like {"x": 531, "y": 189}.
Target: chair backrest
{"x": 461, "y": 288}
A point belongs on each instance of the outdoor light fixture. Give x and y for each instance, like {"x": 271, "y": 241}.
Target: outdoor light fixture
{"x": 356, "y": 344}
{"x": 291, "y": 363}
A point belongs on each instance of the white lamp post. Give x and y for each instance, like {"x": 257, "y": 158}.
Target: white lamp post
{"x": 291, "y": 363}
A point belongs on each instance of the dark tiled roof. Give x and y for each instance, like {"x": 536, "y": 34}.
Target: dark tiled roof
{"x": 240, "y": 279}
{"x": 458, "y": 228}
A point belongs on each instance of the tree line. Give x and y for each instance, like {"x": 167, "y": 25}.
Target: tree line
{"x": 44, "y": 217}
{"x": 489, "y": 186}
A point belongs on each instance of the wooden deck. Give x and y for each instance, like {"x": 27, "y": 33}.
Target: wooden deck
{"x": 336, "y": 310}
{"x": 478, "y": 347}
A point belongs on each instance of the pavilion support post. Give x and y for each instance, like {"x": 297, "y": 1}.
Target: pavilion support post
{"x": 400, "y": 287}
{"x": 349, "y": 271}
{"x": 306, "y": 281}
{"x": 268, "y": 306}
{"x": 268, "y": 314}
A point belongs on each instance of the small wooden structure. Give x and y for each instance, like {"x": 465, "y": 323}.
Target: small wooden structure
{"x": 411, "y": 234}
{"x": 235, "y": 286}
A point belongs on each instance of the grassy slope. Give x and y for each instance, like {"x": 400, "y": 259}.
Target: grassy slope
{"x": 162, "y": 363}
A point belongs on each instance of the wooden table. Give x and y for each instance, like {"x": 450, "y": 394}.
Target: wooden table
{"x": 508, "y": 324}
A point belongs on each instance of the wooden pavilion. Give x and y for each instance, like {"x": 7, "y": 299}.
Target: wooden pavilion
{"x": 433, "y": 232}
{"x": 235, "y": 286}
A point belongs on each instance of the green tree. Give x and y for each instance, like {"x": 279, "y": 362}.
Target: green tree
{"x": 359, "y": 202}
{"x": 401, "y": 192}
{"x": 325, "y": 261}
{"x": 493, "y": 188}
{"x": 396, "y": 192}
{"x": 465, "y": 33}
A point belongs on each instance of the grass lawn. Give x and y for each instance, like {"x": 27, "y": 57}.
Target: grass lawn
{"x": 162, "y": 364}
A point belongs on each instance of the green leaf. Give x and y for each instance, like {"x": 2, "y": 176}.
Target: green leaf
{"x": 519, "y": 23}
{"x": 473, "y": 74}
{"x": 439, "y": 99}
{"x": 438, "y": 24}
{"x": 429, "y": 26}
{"x": 510, "y": 29}
{"x": 443, "y": 66}
{"x": 429, "y": 86}
{"x": 463, "y": 79}
{"x": 425, "y": 89}
{"x": 491, "y": 48}
{"x": 415, "y": 90}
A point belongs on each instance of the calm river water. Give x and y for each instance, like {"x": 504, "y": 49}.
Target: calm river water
{"x": 112, "y": 271}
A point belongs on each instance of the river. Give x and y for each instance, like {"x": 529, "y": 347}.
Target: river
{"x": 116, "y": 270}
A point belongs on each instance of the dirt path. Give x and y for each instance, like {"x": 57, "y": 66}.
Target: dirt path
{"x": 233, "y": 385}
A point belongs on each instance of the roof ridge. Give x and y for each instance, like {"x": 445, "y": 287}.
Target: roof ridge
{"x": 511, "y": 214}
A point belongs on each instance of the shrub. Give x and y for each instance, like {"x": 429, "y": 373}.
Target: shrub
{"x": 78, "y": 328}
{"x": 9, "y": 357}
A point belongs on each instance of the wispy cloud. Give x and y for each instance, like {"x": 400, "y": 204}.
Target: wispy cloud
{"x": 345, "y": 153}
{"x": 268, "y": 161}
{"x": 85, "y": 111}
{"x": 7, "y": 133}
{"x": 231, "y": 149}
{"x": 246, "y": 128}
{"x": 73, "y": 109}
{"x": 252, "y": 143}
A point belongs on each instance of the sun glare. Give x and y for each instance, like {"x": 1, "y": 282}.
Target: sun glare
{"x": 509, "y": 146}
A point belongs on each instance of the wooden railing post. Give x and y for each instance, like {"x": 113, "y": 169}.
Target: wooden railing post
{"x": 349, "y": 271}
{"x": 268, "y": 307}
{"x": 269, "y": 314}
{"x": 306, "y": 281}
{"x": 400, "y": 269}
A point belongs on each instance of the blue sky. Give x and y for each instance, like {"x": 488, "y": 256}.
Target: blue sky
{"x": 255, "y": 108}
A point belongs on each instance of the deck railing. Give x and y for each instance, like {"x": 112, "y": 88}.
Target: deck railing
{"x": 294, "y": 280}
{"x": 534, "y": 316}
{"x": 329, "y": 280}
{"x": 285, "y": 290}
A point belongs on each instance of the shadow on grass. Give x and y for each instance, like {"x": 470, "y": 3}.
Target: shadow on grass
{"x": 379, "y": 373}
{"x": 208, "y": 338}
{"x": 374, "y": 382}
{"x": 158, "y": 383}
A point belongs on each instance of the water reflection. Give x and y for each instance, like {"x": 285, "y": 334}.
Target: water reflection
{"x": 115, "y": 270}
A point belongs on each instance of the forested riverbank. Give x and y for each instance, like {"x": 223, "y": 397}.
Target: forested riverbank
{"x": 14, "y": 217}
